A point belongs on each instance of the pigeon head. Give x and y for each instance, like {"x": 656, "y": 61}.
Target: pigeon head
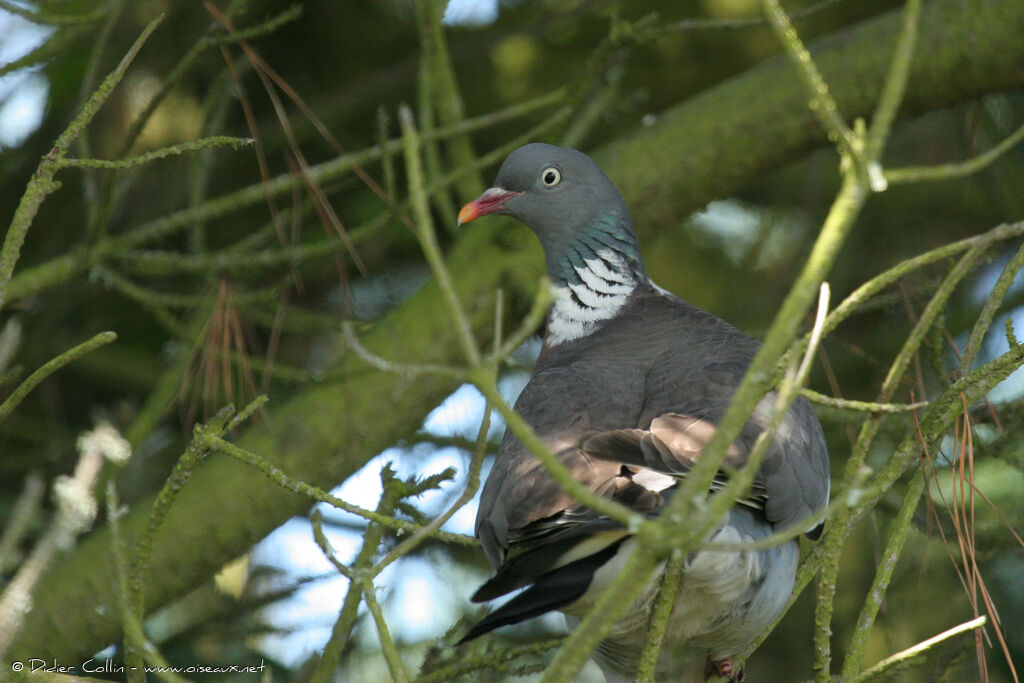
{"x": 564, "y": 197}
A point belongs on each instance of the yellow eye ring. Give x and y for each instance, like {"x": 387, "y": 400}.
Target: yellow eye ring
{"x": 550, "y": 176}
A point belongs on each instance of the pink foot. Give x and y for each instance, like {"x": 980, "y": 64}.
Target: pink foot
{"x": 724, "y": 668}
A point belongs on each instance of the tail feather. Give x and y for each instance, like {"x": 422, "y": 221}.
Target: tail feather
{"x": 556, "y": 589}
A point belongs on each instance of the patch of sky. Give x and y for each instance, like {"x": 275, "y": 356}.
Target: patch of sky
{"x": 421, "y": 599}
{"x": 306, "y": 618}
{"x": 23, "y": 92}
{"x": 995, "y": 343}
{"x": 746, "y": 234}
{"x": 470, "y": 12}
{"x": 986, "y": 280}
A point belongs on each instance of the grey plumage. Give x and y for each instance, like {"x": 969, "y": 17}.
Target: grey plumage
{"x": 628, "y": 388}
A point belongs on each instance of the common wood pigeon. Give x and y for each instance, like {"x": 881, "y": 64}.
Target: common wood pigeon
{"x": 628, "y": 388}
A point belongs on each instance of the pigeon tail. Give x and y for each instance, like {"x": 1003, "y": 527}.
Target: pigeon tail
{"x": 554, "y": 590}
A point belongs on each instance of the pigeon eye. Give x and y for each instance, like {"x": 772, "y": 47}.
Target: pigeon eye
{"x": 551, "y": 176}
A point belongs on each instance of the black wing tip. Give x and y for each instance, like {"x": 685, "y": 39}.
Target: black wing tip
{"x": 554, "y": 590}
{"x": 502, "y": 583}
{"x": 486, "y": 592}
{"x": 478, "y": 629}
{"x": 530, "y": 603}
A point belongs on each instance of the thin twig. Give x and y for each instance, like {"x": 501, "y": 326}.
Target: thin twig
{"x": 898, "y": 368}
{"x": 385, "y": 365}
{"x": 672, "y": 574}
{"x": 686, "y": 25}
{"x": 319, "y": 495}
{"x": 822, "y": 105}
{"x": 138, "y": 649}
{"x": 865, "y": 292}
{"x": 43, "y": 183}
{"x": 50, "y": 367}
{"x": 940, "y": 414}
{"x": 892, "y": 94}
{"x": 608, "y": 608}
{"x": 162, "y": 153}
{"x": 860, "y": 406}
{"x": 391, "y": 656}
{"x": 342, "y": 631}
{"x": 883, "y": 575}
{"x": 960, "y": 169}
{"x": 427, "y": 237}
{"x": 988, "y": 310}
{"x": 472, "y": 478}
{"x": 889, "y": 664}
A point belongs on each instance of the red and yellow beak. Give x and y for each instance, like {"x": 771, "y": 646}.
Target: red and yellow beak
{"x": 490, "y": 201}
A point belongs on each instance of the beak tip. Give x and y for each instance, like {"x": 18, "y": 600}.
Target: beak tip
{"x": 467, "y": 213}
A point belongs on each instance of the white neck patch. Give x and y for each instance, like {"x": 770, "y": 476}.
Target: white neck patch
{"x": 606, "y": 282}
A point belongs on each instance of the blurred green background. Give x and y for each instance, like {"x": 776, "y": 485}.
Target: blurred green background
{"x": 215, "y": 281}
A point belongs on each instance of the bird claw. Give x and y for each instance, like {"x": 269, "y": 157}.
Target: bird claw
{"x": 724, "y": 668}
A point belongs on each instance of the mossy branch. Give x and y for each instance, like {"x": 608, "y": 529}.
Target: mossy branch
{"x": 833, "y": 542}
{"x": 472, "y": 484}
{"x": 988, "y": 310}
{"x": 48, "y": 18}
{"x": 860, "y": 406}
{"x": 852, "y": 662}
{"x": 900, "y": 660}
{"x": 488, "y": 661}
{"x": 162, "y": 153}
{"x": 138, "y": 650}
{"x": 220, "y": 423}
{"x": 646, "y": 670}
{"x": 427, "y": 237}
{"x": 960, "y": 169}
{"x": 42, "y": 183}
{"x": 73, "y": 263}
{"x": 865, "y": 292}
{"x": 858, "y": 500}
{"x": 362, "y": 573}
{"x": 447, "y": 100}
{"x": 892, "y": 94}
{"x": 822, "y": 105}
{"x": 50, "y": 367}
{"x": 187, "y": 60}
{"x": 610, "y": 606}
{"x": 356, "y": 574}
{"x": 319, "y": 495}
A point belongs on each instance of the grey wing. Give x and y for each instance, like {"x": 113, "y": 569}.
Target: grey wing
{"x": 791, "y": 486}
{"x": 697, "y": 380}
{"x": 672, "y": 445}
{"x": 796, "y": 470}
{"x": 520, "y": 500}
